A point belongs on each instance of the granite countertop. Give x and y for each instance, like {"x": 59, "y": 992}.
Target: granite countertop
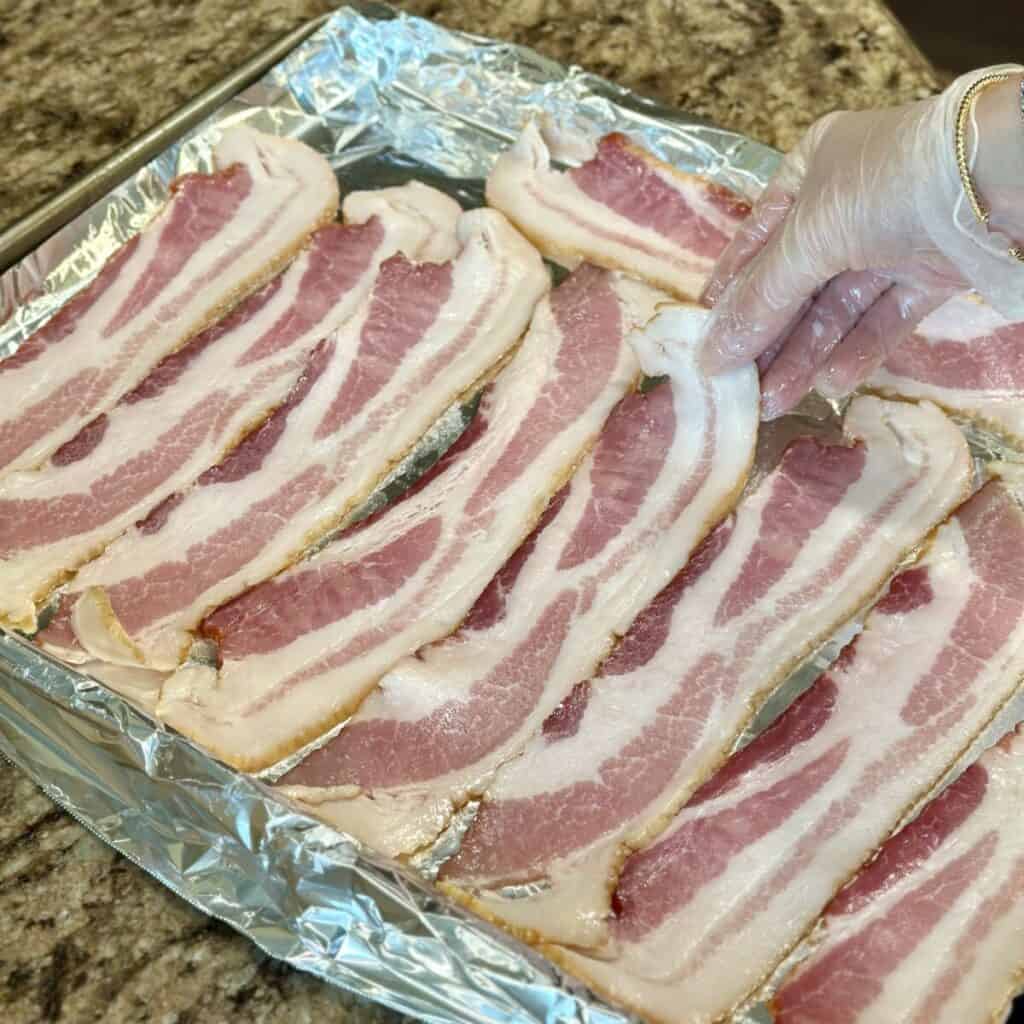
{"x": 87, "y": 936}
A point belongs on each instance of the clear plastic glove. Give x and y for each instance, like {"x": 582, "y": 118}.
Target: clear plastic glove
{"x": 864, "y": 230}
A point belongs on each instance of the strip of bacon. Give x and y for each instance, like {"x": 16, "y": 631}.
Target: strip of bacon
{"x": 802, "y": 554}
{"x": 300, "y": 652}
{"x": 218, "y": 237}
{"x": 198, "y": 401}
{"x": 139, "y": 685}
{"x": 622, "y": 208}
{"x": 930, "y": 932}
{"x": 429, "y": 331}
{"x": 966, "y": 357}
{"x": 706, "y": 913}
{"x": 666, "y": 468}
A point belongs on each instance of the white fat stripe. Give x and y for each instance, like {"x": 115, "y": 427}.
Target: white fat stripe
{"x": 28, "y": 575}
{"x": 690, "y": 188}
{"x": 575, "y": 759}
{"x": 415, "y": 614}
{"x": 989, "y": 966}
{"x": 132, "y": 428}
{"x": 716, "y": 970}
{"x": 576, "y": 227}
{"x": 288, "y": 178}
{"x": 962, "y": 318}
{"x": 381, "y": 431}
{"x": 627, "y": 573}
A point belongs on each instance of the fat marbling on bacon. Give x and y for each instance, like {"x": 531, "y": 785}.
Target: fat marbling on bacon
{"x": 428, "y": 332}
{"x": 966, "y": 357}
{"x": 198, "y": 401}
{"x": 801, "y": 555}
{"x": 705, "y": 914}
{"x": 217, "y": 238}
{"x": 621, "y": 208}
{"x": 300, "y": 652}
{"x": 931, "y": 931}
{"x": 666, "y": 468}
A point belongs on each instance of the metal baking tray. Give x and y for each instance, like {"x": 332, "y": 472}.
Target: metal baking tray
{"x": 386, "y": 97}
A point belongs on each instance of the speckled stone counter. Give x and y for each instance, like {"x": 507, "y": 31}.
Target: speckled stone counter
{"x": 85, "y": 935}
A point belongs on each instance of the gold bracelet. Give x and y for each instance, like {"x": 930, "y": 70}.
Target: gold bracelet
{"x": 1016, "y": 251}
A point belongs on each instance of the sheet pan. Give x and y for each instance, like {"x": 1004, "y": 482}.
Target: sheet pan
{"x": 386, "y": 98}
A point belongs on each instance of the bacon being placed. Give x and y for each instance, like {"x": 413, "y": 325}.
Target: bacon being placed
{"x": 219, "y": 237}
{"x": 622, "y": 208}
{"x": 666, "y": 468}
{"x": 197, "y": 402}
{"x": 801, "y": 555}
{"x": 966, "y": 357}
{"x": 300, "y": 652}
{"x": 428, "y": 332}
{"x": 705, "y": 914}
{"x": 931, "y": 931}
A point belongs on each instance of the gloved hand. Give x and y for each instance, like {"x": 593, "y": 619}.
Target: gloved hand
{"x": 863, "y": 231}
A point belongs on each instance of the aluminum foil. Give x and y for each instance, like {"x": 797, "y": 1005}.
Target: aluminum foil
{"x": 385, "y": 98}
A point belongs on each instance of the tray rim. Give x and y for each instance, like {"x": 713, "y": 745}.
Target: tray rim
{"x": 32, "y": 229}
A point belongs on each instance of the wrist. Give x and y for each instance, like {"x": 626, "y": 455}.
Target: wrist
{"x": 997, "y": 135}
{"x": 968, "y": 250}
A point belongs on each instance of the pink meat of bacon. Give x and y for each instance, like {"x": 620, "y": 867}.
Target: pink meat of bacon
{"x": 930, "y": 932}
{"x": 665, "y": 469}
{"x": 968, "y": 359}
{"x": 428, "y": 332}
{"x": 198, "y": 401}
{"x": 801, "y": 555}
{"x": 622, "y": 208}
{"x": 705, "y": 914}
{"x": 218, "y": 237}
{"x": 301, "y": 652}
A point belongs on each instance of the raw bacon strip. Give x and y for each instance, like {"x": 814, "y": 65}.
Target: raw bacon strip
{"x": 218, "y": 237}
{"x": 622, "y": 208}
{"x": 300, "y": 652}
{"x": 930, "y": 932}
{"x": 966, "y": 357}
{"x": 808, "y": 548}
{"x": 428, "y": 333}
{"x": 198, "y": 401}
{"x": 667, "y": 466}
{"x": 706, "y": 913}
{"x": 140, "y": 685}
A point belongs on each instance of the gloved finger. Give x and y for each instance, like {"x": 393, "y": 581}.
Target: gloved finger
{"x": 761, "y": 303}
{"x": 830, "y": 318}
{"x": 769, "y": 355}
{"x": 768, "y": 213}
{"x": 797, "y": 259}
{"x": 878, "y": 332}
